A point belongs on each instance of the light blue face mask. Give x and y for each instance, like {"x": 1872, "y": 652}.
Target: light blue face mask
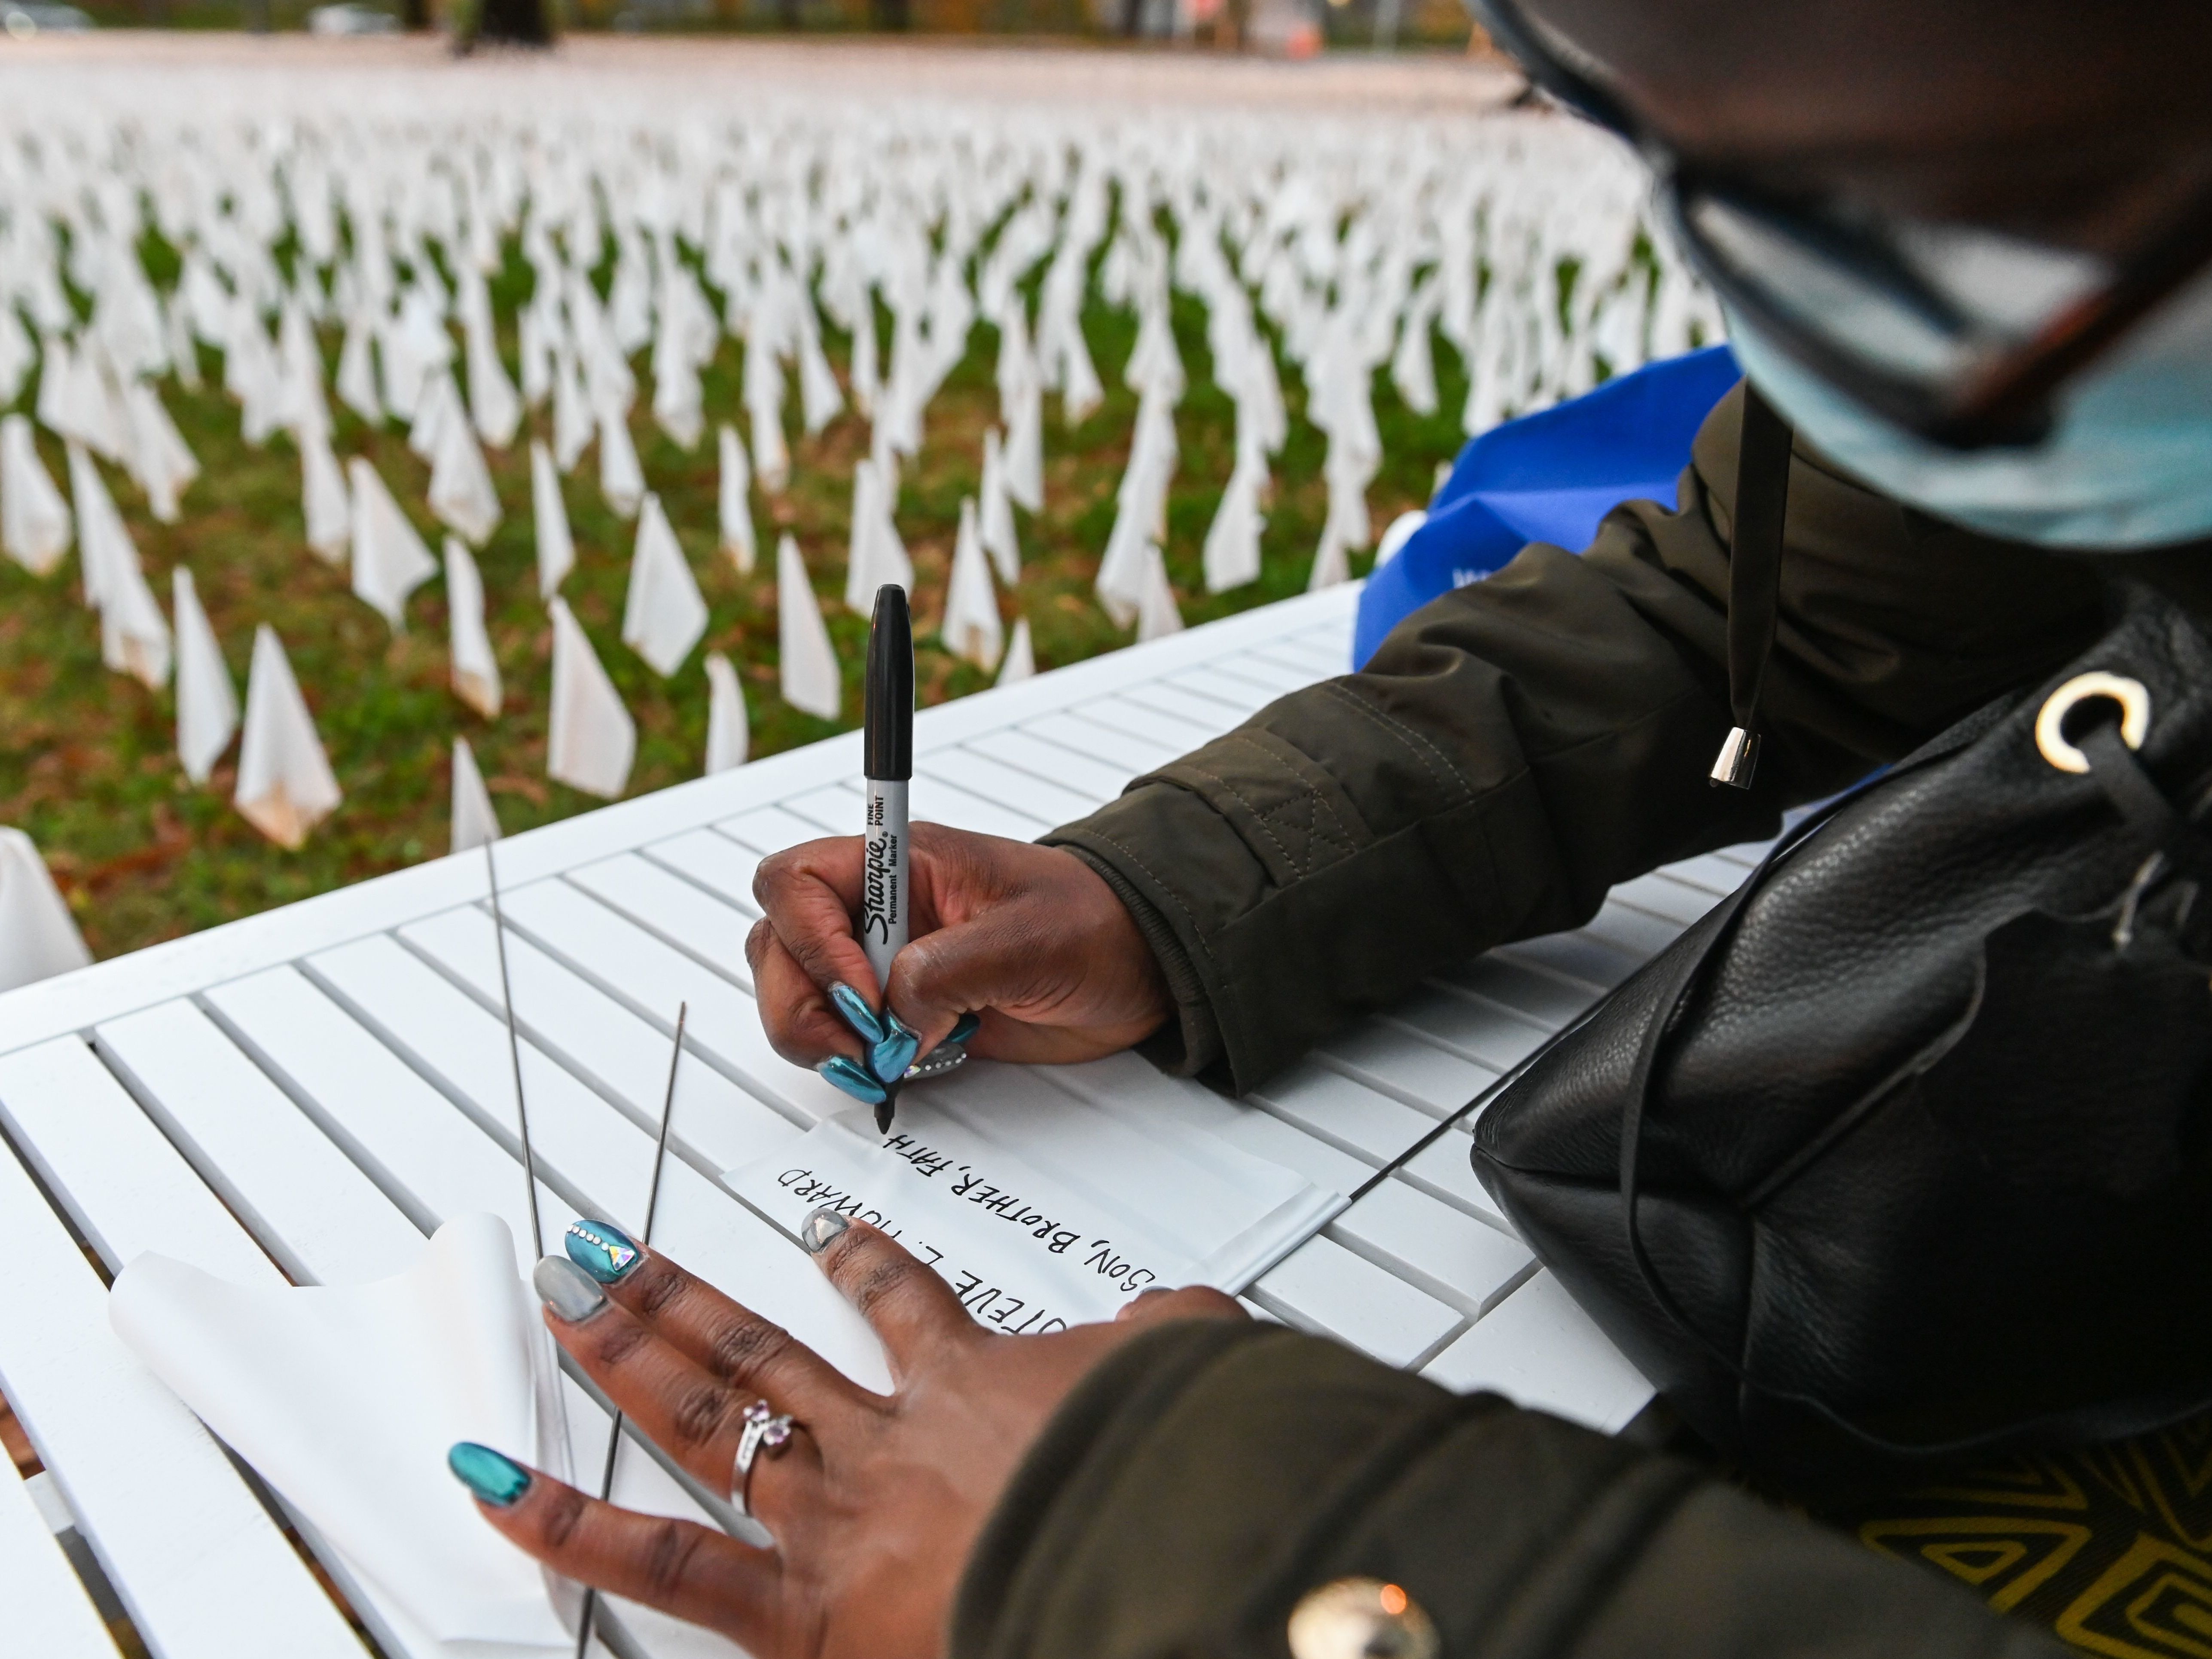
{"x": 2127, "y": 463}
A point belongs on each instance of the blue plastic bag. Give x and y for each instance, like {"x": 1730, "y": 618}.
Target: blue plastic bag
{"x": 1550, "y": 476}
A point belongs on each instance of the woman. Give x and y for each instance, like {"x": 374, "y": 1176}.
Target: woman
{"x": 1964, "y": 247}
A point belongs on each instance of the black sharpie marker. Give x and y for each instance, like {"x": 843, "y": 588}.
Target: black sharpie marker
{"x": 889, "y": 768}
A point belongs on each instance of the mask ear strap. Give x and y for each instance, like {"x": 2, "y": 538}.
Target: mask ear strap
{"x": 1762, "y": 502}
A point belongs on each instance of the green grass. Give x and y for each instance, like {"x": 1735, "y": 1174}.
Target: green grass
{"x": 87, "y": 763}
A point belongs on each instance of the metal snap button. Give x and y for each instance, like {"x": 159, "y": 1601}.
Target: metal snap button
{"x": 2135, "y": 715}
{"x": 1360, "y": 1619}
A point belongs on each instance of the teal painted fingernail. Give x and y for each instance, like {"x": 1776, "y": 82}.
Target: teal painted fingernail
{"x": 858, "y": 1015}
{"x": 573, "y": 1294}
{"x": 602, "y": 1249}
{"x": 890, "y": 1058}
{"x": 851, "y": 1078}
{"x": 495, "y": 1478}
{"x": 964, "y": 1028}
{"x": 820, "y": 1229}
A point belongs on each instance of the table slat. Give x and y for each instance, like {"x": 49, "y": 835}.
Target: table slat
{"x": 1178, "y": 733}
{"x": 673, "y": 910}
{"x": 1082, "y": 771}
{"x": 1174, "y": 703}
{"x": 1106, "y": 744}
{"x": 1049, "y": 802}
{"x": 201, "y": 1568}
{"x": 1423, "y": 1076}
{"x": 1452, "y": 1256}
{"x": 712, "y": 861}
{"x": 1346, "y": 1113}
{"x": 586, "y": 1147}
{"x": 769, "y": 829}
{"x": 1539, "y": 1348}
{"x": 652, "y": 979}
{"x": 305, "y": 1203}
{"x": 1323, "y": 1286}
{"x": 606, "y": 1045}
{"x": 432, "y": 1160}
{"x": 50, "y": 1613}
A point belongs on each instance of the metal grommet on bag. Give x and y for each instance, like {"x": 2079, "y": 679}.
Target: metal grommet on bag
{"x": 2135, "y": 715}
{"x": 1360, "y": 1619}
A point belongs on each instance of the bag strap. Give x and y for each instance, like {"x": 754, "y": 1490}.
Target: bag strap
{"x": 1681, "y": 978}
{"x": 1762, "y": 506}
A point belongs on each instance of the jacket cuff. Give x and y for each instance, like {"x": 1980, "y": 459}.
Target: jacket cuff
{"x": 1210, "y": 1474}
{"x": 1193, "y": 1041}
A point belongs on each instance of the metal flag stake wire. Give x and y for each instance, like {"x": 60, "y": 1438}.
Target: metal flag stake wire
{"x": 652, "y": 1206}
{"x": 529, "y": 1178}
{"x": 514, "y": 1053}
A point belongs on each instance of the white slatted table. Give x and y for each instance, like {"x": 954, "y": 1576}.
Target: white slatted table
{"x": 306, "y": 1093}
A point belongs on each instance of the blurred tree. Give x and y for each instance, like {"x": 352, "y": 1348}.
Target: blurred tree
{"x": 513, "y": 22}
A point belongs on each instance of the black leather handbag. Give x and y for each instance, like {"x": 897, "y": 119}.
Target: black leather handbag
{"x": 1902, "y": 1150}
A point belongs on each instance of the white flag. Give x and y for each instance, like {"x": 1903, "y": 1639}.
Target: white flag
{"x": 1020, "y": 661}
{"x": 475, "y": 823}
{"x": 461, "y": 494}
{"x": 285, "y": 786}
{"x": 971, "y": 627}
{"x": 475, "y": 669}
{"x": 494, "y": 405}
{"x": 998, "y": 512}
{"x": 438, "y": 404}
{"x": 736, "y": 502}
{"x": 622, "y": 480}
{"x": 134, "y": 635}
{"x": 877, "y": 552}
{"x": 811, "y": 680}
{"x": 664, "y": 616}
{"x": 1232, "y": 541}
{"x": 207, "y": 702}
{"x": 729, "y": 736}
{"x": 389, "y": 559}
{"x": 327, "y": 504}
{"x": 592, "y": 739}
{"x": 572, "y": 413}
{"x": 38, "y": 936}
{"x": 357, "y": 377}
{"x": 771, "y": 454}
{"x": 556, "y": 547}
{"x": 34, "y": 519}
{"x": 1156, "y": 615}
{"x": 156, "y": 453}
{"x": 1330, "y": 565}
{"x": 1024, "y": 448}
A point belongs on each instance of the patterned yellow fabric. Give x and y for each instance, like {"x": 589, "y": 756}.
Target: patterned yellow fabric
{"x": 2110, "y": 1547}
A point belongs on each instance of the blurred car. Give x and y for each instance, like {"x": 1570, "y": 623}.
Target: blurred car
{"x": 25, "y": 18}
{"x": 349, "y": 17}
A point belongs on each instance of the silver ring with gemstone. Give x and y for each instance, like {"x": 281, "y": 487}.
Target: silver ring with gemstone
{"x": 766, "y": 1431}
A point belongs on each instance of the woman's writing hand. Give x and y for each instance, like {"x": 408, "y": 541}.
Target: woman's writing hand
{"x": 1029, "y": 937}
{"x": 874, "y": 1503}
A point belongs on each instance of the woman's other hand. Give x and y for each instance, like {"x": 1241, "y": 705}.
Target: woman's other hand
{"x": 1030, "y": 937}
{"x": 875, "y": 1501}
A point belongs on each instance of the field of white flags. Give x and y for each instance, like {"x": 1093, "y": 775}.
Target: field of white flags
{"x": 391, "y": 453}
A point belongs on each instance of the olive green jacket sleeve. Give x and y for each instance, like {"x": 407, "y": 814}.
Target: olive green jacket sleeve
{"x": 1519, "y": 746}
{"x": 1207, "y": 1476}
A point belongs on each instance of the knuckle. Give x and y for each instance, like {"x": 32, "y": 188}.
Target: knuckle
{"x": 879, "y": 1280}
{"x": 623, "y": 1340}
{"x": 745, "y": 1347}
{"x": 699, "y": 1413}
{"x": 774, "y": 878}
{"x": 562, "y": 1514}
{"x": 665, "y": 1559}
{"x": 664, "y": 1285}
